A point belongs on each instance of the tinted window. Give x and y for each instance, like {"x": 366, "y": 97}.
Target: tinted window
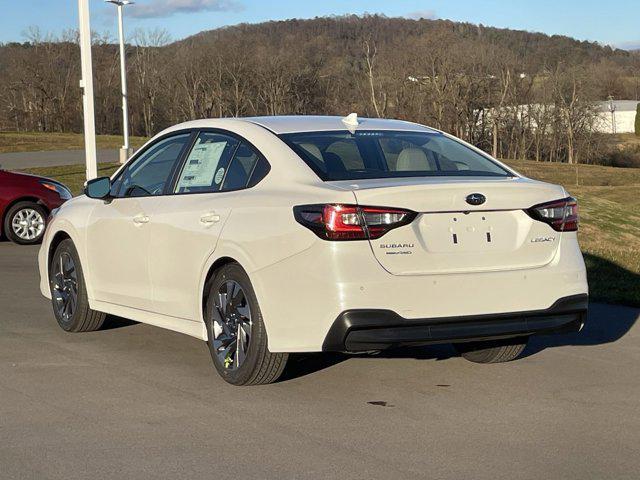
{"x": 259, "y": 172}
{"x": 149, "y": 173}
{"x": 207, "y": 164}
{"x": 241, "y": 167}
{"x": 387, "y": 154}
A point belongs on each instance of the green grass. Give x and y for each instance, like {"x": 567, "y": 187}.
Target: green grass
{"x": 610, "y": 219}
{"x": 73, "y": 176}
{"x": 38, "y": 141}
{"x": 609, "y": 200}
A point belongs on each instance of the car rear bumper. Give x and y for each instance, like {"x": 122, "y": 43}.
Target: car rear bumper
{"x": 362, "y": 330}
{"x": 301, "y": 296}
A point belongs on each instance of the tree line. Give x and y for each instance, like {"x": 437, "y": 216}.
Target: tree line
{"x": 514, "y": 94}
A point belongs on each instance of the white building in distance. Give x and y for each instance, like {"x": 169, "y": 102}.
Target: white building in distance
{"x": 617, "y": 116}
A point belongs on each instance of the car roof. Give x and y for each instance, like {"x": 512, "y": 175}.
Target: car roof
{"x": 315, "y": 123}
{"x": 305, "y": 123}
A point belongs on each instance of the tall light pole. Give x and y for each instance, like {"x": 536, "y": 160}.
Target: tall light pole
{"x": 125, "y": 151}
{"x": 612, "y": 109}
{"x": 86, "y": 83}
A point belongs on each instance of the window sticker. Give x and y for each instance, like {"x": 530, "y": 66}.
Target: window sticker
{"x": 201, "y": 165}
{"x": 219, "y": 176}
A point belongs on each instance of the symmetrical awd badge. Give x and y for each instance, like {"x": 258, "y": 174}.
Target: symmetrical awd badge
{"x": 476, "y": 199}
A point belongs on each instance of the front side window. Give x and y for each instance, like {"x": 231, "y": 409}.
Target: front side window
{"x": 387, "y": 154}
{"x": 149, "y": 173}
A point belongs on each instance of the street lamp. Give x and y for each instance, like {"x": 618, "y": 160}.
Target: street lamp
{"x": 612, "y": 109}
{"x": 86, "y": 84}
{"x": 125, "y": 150}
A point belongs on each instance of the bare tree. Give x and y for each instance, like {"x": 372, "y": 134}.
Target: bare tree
{"x": 514, "y": 94}
{"x": 370, "y": 59}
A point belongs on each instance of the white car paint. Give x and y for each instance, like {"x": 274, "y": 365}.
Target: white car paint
{"x": 147, "y": 258}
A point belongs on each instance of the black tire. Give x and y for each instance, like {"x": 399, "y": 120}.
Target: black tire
{"x": 80, "y": 318}
{"x": 493, "y": 351}
{"x": 18, "y": 209}
{"x": 259, "y": 366}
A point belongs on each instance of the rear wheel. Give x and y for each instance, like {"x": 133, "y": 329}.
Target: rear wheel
{"x": 237, "y": 335}
{"x": 25, "y": 222}
{"x": 69, "y": 292}
{"x": 492, "y": 351}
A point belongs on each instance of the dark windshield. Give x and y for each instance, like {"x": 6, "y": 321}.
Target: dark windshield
{"x": 386, "y": 154}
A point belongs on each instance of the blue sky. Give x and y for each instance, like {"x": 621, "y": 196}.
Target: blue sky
{"x": 615, "y": 22}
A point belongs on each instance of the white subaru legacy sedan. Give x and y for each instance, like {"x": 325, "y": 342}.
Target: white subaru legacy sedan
{"x": 266, "y": 236}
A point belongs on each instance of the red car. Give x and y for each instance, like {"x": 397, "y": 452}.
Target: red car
{"x": 25, "y": 204}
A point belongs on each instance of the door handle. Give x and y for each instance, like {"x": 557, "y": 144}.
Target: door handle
{"x": 140, "y": 219}
{"x": 209, "y": 218}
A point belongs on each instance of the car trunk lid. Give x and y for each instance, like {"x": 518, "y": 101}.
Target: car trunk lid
{"x": 449, "y": 235}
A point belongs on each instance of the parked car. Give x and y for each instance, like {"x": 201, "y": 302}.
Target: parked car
{"x": 25, "y": 203}
{"x": 266, "y": 236}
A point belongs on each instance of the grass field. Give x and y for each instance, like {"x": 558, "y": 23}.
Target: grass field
{"x": 73, "y": 176}
{"x": 36, "y": 141}
{"x": 609, "y": 200}
{"x": 610, "y": 219}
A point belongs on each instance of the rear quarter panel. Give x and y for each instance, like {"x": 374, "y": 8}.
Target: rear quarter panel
{"x": 261, "y": 232}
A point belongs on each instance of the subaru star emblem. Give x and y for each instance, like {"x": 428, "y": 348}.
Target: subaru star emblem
{"x": 476, "y": 199}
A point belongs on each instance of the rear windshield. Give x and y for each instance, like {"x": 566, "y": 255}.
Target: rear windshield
{"x": 387, "y": 154}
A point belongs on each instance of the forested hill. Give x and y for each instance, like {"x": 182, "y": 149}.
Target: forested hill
{"x": 535, "y": 50}
{"x": 437, "y": 72}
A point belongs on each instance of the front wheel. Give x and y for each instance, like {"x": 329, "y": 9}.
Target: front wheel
{"x": 69, "y": 292}
{"x": 237, "y": 338}
{"x": 492, "y": 351}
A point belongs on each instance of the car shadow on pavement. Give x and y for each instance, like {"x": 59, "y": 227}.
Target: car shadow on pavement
{"x": 605, "y": 324}
{"x": 112, "y": 322}
{"x": 426, "y": 352}
{"x": 303, "y": 364}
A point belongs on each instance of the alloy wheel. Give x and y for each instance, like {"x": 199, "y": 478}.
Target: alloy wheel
{"x": 64, "y": 286}
{"x": 28, "y": 224}
{"x": 231, "y": 325}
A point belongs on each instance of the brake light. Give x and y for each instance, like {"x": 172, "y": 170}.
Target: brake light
{"x": 351, "y": 222}
{"x": 561, "y": 215}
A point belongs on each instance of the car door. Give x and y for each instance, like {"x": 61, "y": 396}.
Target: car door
{"x": 118, "y": 232}
{"x": 187, "y": 224}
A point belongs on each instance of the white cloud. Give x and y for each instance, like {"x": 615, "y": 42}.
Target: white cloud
{"x": 166, "y": 8}
{"x": 417, "y": 15}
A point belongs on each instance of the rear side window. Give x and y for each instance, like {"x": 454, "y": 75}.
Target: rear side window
{"x": 344, "y": 155}
{"x": 220, "y": 163}
{"x": 242, "y": 165}
{"x": 206, "y": 165}
{"x": 259, "y": 172}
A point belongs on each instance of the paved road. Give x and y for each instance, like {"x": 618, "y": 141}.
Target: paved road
{"x": 136, "y": 401}
{"x": 19, "y": 160}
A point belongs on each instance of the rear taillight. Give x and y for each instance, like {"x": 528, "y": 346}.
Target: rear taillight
{"x": 561, "y": 215}
{"x": 351, "y": 222}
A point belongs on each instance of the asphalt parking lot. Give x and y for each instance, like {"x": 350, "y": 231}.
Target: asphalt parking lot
{"x": 19, "y": 160}
{"x": 135, "y": 401}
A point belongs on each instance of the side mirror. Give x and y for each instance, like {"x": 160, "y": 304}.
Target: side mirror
{"x": 98, "y": 188}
